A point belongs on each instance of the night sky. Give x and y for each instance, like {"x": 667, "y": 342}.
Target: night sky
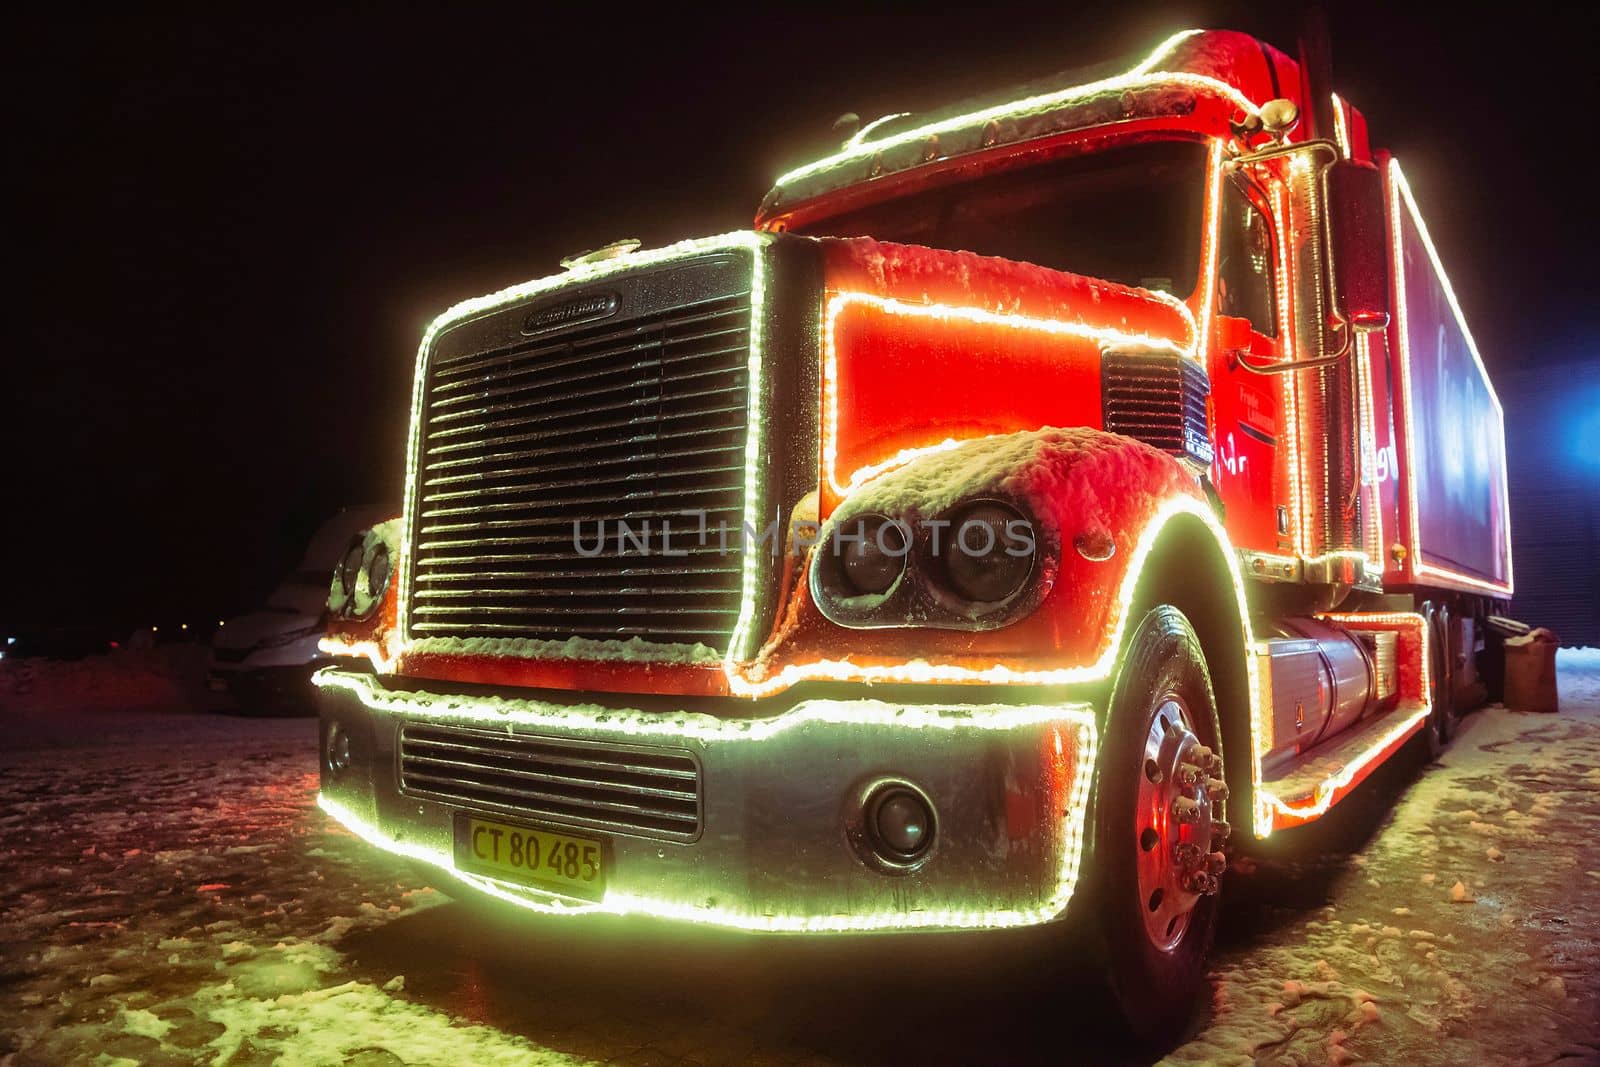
{"x": 234, "y": 229}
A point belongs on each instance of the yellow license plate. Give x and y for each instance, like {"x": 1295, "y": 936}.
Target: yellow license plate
{"x": 564, "y": 863}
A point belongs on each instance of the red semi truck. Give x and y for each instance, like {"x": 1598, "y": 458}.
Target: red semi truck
{"x": 1041, "y": 490}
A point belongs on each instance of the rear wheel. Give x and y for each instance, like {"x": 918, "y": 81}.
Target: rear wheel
{"x": 1160, "y": 827}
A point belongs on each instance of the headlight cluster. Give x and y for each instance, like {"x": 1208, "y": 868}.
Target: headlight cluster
{"x": 362, "y": 577}
{"x": 974, "y": 567}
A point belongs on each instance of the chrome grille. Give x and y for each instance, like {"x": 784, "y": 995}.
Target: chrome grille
{"x": 619, "y": 788}
{"x": 1158, "y": 398}
{"x": 637, "y": 419}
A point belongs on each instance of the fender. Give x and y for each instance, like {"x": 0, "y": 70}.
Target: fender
{"x": 1101, "y": 503}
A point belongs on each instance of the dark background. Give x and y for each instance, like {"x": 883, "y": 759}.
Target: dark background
{"x": 231, "y": 230}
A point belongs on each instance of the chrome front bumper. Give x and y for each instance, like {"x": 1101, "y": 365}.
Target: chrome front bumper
{"x": 779, "y": 796}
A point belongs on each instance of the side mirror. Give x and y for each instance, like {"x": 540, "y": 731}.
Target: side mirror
{"x": 1359, "y": 244}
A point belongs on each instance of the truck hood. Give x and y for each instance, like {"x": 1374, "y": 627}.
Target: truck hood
{"x": 917, "y": 274}
{"x": 923, "y": 348}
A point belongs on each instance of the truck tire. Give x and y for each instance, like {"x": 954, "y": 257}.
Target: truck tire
{"x": 1158, "y": 853}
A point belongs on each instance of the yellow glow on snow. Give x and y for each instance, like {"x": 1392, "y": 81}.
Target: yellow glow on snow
{"x": 1143, "y": 75}
{"x": 1372, "y": 540}
{"x": 1400, "y": 192}
{"x": 1078, "y": 717}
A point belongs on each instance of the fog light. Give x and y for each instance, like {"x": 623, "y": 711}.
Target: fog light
{"x": 338, "y": 749}
{"x": 901, "y": 822}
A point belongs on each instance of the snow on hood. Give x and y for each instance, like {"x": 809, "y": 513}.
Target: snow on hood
{"x": 1073, "y": 473}
{"x": 942, "y": 276}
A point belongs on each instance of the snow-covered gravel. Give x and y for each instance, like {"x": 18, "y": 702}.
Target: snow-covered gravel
{"x": 169, "y": 895}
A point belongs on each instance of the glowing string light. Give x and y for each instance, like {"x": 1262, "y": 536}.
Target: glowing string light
{"x": 1400, "y": 195}
{"x": 922, "y": 671}
{"x": 1143, "y": 75}
{"x": 378, "y": 654}
{"x": 1291, "y": 403}
{"x": 1213, "y": 227}
{"x": 1329, "y": 789}
{"x": 755, "y": 243}
{"x": 1341, "y": 130}
{"x": 861, "y": 134}
{"x": 1079, "y": 718}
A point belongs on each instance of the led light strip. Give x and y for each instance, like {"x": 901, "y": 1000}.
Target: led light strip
{"x": 1373, "y": 535}
{"x": 921, "y": 671}
{"x": 1143, "y": 75}
{"x": 861, "y": 134}
{"x": 1328, "y": 789}
{"x": 839, "y": 302}
{"x": 1291, "y": 404}
{"x": 335, "y": 645}
{"x": 1079, "y": 717}
{"x": 755, "y": 243}
{"x": 1213, "y": 225}
{"x": 1341, "y": 129}
{"x": 1399, "y": 190}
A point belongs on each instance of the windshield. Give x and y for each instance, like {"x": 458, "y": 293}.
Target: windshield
{"x": 1130, "y": 215}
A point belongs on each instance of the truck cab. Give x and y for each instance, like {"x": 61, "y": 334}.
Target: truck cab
{"x": 1044, "y": 498}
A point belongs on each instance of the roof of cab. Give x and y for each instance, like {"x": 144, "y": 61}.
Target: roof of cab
{"x": 1229, "y": 71}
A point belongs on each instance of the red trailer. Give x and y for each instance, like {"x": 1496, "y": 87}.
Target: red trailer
{"x": 1044, "y": 488}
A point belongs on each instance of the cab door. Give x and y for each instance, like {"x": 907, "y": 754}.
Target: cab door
{"x": 1247, "y": 428}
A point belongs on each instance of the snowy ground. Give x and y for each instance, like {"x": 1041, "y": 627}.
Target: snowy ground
{"x": 171, "y": 895}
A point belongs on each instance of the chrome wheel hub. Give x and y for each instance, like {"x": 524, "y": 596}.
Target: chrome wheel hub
{"x": 1179, "y": 826}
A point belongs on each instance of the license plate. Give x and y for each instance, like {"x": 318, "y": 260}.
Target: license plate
{"x": 575, "y": 866}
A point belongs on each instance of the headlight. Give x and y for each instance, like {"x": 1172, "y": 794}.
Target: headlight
{"x": 989, "y": 552}
{"x": 350, "y": 568}
{"x": 378, "y": 571}
{"x": 873, "y": 553}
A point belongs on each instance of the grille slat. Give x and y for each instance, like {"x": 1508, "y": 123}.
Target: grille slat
{"x": 710, "y": 311}
{"x": 575, "y": 412}
{"x": 543, "y": 630}
{"x": 666, "y": 418}
{"x": 626, "y": 789}
{"x": 636, "y": 419}
{"x": 1158, "y": 398}
{"x": 629, "y": 478}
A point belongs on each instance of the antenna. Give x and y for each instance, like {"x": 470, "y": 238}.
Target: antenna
{"x": 1316, "y": 72}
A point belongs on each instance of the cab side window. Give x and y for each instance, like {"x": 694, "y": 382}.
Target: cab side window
{"x": 1245, "y": 280}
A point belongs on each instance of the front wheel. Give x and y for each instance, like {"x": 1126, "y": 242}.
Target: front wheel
{"x": 1160, "y": 827}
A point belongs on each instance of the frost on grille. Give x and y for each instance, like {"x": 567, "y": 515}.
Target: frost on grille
{"x": 638, "y": 419}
